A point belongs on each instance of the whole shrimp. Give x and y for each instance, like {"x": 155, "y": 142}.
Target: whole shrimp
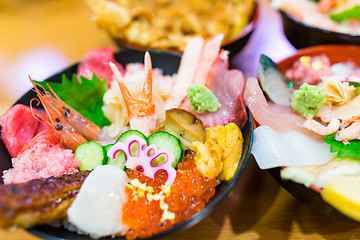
{"x": 64, "y": 122}
{"x": 141, "y": 111}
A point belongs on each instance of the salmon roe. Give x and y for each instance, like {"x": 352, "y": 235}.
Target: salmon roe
{"x": 188, "y": 194}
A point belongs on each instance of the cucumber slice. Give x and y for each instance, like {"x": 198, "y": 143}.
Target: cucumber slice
{"x": 167, "y": 141}
{"x": 90, "y": 155}
{"x": 123, "y": 137}
{"x": 119, "y": 159}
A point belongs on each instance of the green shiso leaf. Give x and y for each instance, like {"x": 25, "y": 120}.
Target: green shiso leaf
{"x": 345, "y": 15}
{"x": 85, "y": 97}
{"x": 344, "y": 150}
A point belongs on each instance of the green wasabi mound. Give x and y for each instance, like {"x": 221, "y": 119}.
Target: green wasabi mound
{"x": 307, "y": 100}
{"x": 202, "y": 99}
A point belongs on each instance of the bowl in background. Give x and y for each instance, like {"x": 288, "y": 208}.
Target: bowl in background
{"x": 234, "y": 45}
{"x": 301, "y": 35}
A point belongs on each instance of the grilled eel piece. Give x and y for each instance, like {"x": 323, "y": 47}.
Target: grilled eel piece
{"x": 38, "y": 201}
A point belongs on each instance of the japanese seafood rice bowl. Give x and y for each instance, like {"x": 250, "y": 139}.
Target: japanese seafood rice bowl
{"x": 307, "y": 135}
{"x": 132, "y": 145}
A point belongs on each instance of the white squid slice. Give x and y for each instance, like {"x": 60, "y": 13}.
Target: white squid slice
{"x": 272, "y": 149}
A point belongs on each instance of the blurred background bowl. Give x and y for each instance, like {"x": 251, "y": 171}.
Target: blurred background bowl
{"x": 301, "y": 35}
{"x": 234, "y": 45}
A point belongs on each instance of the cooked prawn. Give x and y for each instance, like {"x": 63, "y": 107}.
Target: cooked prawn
{"x": 57, "y": 123}
{"x": 315, "y": 126}
{"x": 141, "y": 111}
{"x": 82, "y": 125}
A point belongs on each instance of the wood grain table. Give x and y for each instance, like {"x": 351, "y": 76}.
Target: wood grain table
{"x": 41, "y": 37}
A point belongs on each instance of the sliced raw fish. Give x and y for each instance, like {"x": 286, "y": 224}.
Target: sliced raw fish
{"x": 97, "y": 61}
{"x": 227, "y": 87}
{"x": 274, "y": 82}
{"x": 272, "y": 149}
{"x": 18, "y": 127}
{"x": 279, "y": 118}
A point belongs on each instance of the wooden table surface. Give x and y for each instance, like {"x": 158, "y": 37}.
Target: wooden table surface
{"x": 41, "y": 37}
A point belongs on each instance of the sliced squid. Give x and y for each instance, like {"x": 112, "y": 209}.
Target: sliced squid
{"x": 272, "y": 149}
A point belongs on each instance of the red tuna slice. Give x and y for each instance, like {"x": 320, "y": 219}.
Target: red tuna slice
{"x": 18, "y": 127}
{"x": 227, "y": 87}
{"x": 97, "y": 61}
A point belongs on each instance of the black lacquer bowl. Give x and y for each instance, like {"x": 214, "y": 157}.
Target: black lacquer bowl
{"x": 301, "y": 35}
{"x": 169, "y": 64}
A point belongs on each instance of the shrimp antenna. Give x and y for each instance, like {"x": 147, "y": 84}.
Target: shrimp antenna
{"x": 41, "y": 97}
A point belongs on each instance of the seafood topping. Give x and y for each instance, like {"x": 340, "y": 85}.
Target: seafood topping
{"x": 38, "y": 201}
{"x": 18, "y": 127}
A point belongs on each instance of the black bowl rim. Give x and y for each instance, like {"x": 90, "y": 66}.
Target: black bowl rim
{"x": 43, "y": 231}
{"x": 355, "y": 36}
{"x": 248, "y": 29}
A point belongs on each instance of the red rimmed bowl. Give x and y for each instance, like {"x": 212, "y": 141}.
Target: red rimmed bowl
{"x": 311, "y": 196}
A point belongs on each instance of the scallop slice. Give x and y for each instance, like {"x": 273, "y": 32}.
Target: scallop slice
{"x": 97, "y": 209}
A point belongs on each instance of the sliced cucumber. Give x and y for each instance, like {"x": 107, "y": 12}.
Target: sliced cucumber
{"x": 123, "y": 137}
{"x": 166, "y": 141}
{"x": 119, "y": 159}
{"x": 90, "y": 155}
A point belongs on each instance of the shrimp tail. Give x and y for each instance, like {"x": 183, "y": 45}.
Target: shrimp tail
{"x": 141, "y": 111}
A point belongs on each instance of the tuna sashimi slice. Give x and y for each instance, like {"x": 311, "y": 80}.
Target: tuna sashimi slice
{"x": 18, "y": 127}
{"x": 97, "y": 61}
{"x": 227, "y": 87}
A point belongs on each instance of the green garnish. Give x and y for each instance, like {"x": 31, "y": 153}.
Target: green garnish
{"x": 352, "y": 149}
{"x": 85, "y": 97}
{"x": 307, "y": 100}
{"x": 202, "y": 99}
{"x": 353, "y": 13}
